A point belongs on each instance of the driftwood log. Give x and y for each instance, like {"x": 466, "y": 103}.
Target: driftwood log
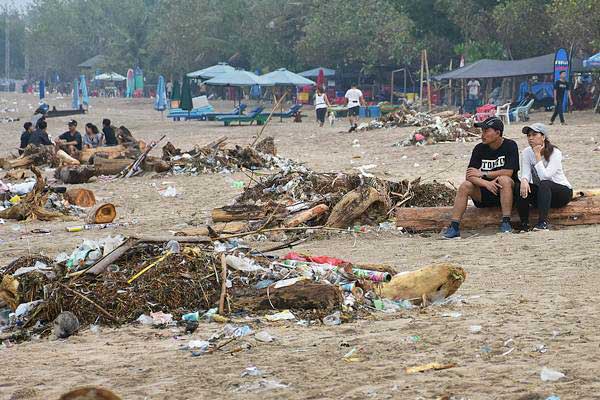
{"x": 304, "y": 216}
{"x": 220, "y": 228}
{"x": 74, "y": 174}
{"x": 580, "y": 211}
{"x": 81, "y": 197}
{"x": 238, "y": 213}
{"x": 352, "y": 206}
{"x": 102, "y": 214}
{"x": 106, "y": 151}
{"x": 303, "y": 295}
{"x": 110, "y": 166}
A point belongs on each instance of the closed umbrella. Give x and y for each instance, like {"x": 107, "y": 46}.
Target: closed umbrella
{"x": 321, "y": 78}
{"x": 176, "y": 93}
{"x": 130, "y": 83}
{"x": 186, "y": 95}
{"x": 42, "y": 89}
{"x": 160, "y": 103}
{"x": 85, "y": 99}
{"x": 76, "y": 102}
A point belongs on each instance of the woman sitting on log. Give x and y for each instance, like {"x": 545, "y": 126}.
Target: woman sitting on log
{"x": 543, "y": 182}
{"x": 92, "y": 138}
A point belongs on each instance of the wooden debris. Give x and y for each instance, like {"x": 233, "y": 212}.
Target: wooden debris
{"x": 352, "y": 205}
{"x": 303, "y": 295}
{"x": 81, "y": 197}
{"x": 102, "y": 214}
{"x": 429, "y": 367}
{"x": 32, "y": 204}
{"x": 238, "y": 213}
{"x": 66, "y": 159}
{"x": 580, "y": 211}
{"x": 110, "y": 166}
{"x": 90, "y": 393}
{"x": 430, "y": 283}
{"x": 306, "y": 215}
{"x": 220, "y": 228}
{"x": 109, "y": 152}
{"x": 9, "y": 291}
{"x": 74, "y": 174}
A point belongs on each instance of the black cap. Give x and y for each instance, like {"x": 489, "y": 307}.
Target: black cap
{"x": 72, "y": 123}
{"x": 492, "y": 122}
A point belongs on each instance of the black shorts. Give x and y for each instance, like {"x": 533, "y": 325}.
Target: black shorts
{"x": 353, "y": 111}
{"x": 321, "y": 112}
{"x": 488, "y": 199}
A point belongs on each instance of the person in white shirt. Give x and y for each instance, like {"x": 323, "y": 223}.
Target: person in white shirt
{"x": 321, "y": 104}
{"x": 543, "y": 183}
{"x": 473, "y": 87}
{"x": 354, "y": 99}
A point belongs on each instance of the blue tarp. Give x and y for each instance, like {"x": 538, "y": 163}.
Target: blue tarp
{"x": 540, "y": 90}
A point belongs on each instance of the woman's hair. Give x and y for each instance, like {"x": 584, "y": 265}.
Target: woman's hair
{"x": 92, "y": 127}
{"x": 548, "y": 149}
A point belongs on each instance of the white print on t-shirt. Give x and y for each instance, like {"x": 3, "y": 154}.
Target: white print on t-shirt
{"x": 490, "y": 165}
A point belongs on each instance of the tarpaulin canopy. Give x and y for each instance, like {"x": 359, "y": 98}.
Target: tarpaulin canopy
{"x": 312, "y": 73}
{"x": 211, "y": 72}
{"x": 110, "y": 76}
{"x": 507, "y": 68}
{"x": 239, "y": 78}
{"x": 283, "y": 77}
{"x": 592, "y": 62}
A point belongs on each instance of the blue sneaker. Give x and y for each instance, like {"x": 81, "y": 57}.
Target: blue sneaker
{"x": 541, "y": 226}
{"x": 505, "y": 227}
{"x": 451, "y": 233}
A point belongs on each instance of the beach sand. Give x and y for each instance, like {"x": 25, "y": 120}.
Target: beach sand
{"x": 536, "y": 288}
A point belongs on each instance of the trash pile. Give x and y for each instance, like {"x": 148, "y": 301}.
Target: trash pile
{"x": 299, "y": 196}
{"x": 155, "y": 281}
{"x": 445, "y": 126}
{"x": 216, "y": 157}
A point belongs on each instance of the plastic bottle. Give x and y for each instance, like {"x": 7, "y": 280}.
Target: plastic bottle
{"x": 333, "y": 319}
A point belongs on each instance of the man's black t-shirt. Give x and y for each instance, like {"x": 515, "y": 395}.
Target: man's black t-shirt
{"x": 39, "y": 137}
{"x": 25, "y": 137}
{"x": 109, "y": 136}
{"x": 505, "y": 157}
{"x": 561, "y": 87}
{"x": 75, "y": 137}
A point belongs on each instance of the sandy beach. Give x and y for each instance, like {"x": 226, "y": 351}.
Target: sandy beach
{"x": 528, "y": 291}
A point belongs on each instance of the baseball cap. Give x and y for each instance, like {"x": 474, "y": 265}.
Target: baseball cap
{"x": 537, "y": 127}
{"x": 72, "y": 123}
{"x": 492, "y": 122}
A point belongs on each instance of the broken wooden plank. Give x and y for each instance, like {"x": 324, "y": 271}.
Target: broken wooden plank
{"x": 352, "y": 206}
{"x": 580, "y": 211}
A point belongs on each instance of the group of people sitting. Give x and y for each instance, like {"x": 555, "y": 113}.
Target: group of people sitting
{"x": 71, "y": 141}
{"x": 492, "y": 177}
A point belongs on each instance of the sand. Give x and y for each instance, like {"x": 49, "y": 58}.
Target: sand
{"x": 537, "y": 288}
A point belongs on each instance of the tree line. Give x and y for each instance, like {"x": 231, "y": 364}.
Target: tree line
{"x": 172, "y": 37}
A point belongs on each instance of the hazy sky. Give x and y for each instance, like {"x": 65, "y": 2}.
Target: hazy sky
{"x": 18, "y": 4}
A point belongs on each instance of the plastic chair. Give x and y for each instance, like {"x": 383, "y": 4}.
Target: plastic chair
{"x": 502, "y": 111}
{"x": 522, "y": 112}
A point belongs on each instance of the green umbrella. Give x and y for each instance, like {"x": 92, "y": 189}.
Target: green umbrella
{"x": 176, "y": 93}
{"x": 186, "y": 95}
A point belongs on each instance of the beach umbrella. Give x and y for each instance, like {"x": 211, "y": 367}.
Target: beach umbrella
{"x": 283, "y": 77}
{"x": 312, "y": 73}
{"x": 186, "y": 95}
{"x": 176, "y": 93}
{"x": 42, "y": 89}
{"x": 238, "y": 78}
{"x": 592, "y": 62}
{"x": 85, "y": 99}
{"x": 110, "y": 76}
{"x": 76, "y": 102}
{"x": 130, "y": 83}
{"x": 211, "y": 72}
{"x": 160, "y": 103}
{"x": 321, "y": 78}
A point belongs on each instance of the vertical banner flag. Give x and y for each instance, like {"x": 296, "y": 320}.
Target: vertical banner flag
{"x": 561, "y": 63}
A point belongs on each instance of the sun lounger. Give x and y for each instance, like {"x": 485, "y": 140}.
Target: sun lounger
{"x": 197, "y": 113}
{"x": 287, "y": 114}
{"x": 212, "y": 116}
{"x": 253, "y": 116}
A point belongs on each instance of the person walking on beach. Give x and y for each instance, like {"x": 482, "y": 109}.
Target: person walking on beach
{"x": 560, "y": 87}
{"x": 490, "y": 177}
{"x": 543, "y": 183}
{"x": 354, "y": 99}
{"x": 321, "y": 104}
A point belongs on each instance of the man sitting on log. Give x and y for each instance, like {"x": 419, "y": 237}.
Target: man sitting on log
{"x": 40, "y": 137}
{"x": 25, "y": 136}
{"x": 490, "y": 177}
{"x": 71, "y": 141}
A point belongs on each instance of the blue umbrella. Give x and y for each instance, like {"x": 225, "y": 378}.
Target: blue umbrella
{"x": 42, "y": 89}
{"x": 211, "y": 72}
{"x": 84, "y": 92}
{"x": 160, "y": 104}
{"x": 315, "y": 72}
{"x": 76, "y": 102}
{"x": 238, "y": 77}
{"x": 283, "y": 77}
{"x": 592, "y": 62}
